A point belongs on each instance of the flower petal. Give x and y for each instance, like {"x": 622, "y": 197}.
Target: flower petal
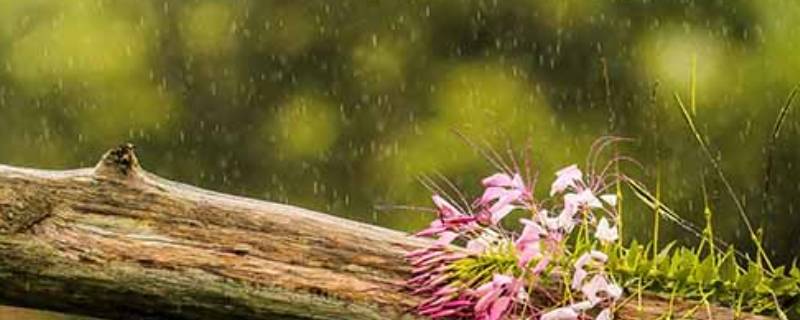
{"x": 499, "y": 308}
{"x": 446, "y": 238}
{"x": 486, "y": 300}
{"x": 500, "y": 213}
{"x": 446, "y": 210}
{"x": 565, "y": 178}
{"x": 497, "y": 180}
{"x": 563, "y": 313}
{"x": 610, "y": 199}
{"x": 491, "y": 194}
{"x": 578, "y": 277}
{"x": 605, "y": 233}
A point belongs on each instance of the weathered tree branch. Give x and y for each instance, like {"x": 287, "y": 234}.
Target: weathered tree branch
{"x": 117, "y": 242}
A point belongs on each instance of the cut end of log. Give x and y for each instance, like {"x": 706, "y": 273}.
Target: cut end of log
{"x": 119, "y": 163}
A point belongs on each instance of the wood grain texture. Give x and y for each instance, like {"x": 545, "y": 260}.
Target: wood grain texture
{"x": 117, "y": 242}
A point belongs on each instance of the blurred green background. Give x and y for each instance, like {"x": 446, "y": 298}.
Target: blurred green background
{"x": 340, "y": 105}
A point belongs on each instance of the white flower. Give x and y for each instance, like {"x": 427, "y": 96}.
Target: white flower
{"x": 566, "y": 219}
{"x": 580, "y": 273}
{"x": 605, "y": 233}
{"x": 591, "y": 255}
{"x": 599, "y": 284}
{"x": 610, "y": 199}
{"x": 582, "y": 306}
{"x": 578, "y": 277}
{"x": 550, "y": 223}
{"x": 584, "y": 198}
{"x": 563, "y": 313}
{"x": 565, "y": 178}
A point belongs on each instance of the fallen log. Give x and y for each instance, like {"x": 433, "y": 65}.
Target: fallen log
{"x": 117, "y": 242}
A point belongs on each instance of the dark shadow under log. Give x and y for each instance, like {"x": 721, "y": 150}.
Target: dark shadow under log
{"x": 117, "y": 242}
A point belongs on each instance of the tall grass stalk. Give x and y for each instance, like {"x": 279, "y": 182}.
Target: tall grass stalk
{"x": 728, "y": 187}
{"x": 771, "y": 145}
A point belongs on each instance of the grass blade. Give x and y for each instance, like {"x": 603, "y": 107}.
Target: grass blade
{"x": 670, "y": 215}
{"x": 728, "y": 188}
{"x": 770, "y": 150}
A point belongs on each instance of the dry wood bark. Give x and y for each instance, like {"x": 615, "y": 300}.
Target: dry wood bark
{"x": 117, "y": 242}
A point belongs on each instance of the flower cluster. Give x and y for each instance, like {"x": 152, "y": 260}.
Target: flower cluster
{"x": 554, "y": 269}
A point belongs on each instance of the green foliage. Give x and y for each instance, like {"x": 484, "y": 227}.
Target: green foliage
{"x": 707, "y": 273}
{"x": 719, "y": 278}
{"x": 479, "y": 269}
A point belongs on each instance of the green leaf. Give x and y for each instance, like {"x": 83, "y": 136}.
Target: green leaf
{"x": 728, "y": 269}
{"x": 783, "y": 285}
{"x": 750, "y": 280}
{"x": 705, "y": 272}
{"x": 664, "y": 254}
{"x": 683, "y": 262}
{"x": 795, "y": 272}
{"x": 632, "y": 258}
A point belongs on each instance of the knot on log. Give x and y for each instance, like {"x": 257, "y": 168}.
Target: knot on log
{"x": 22, "y": 209}
{"x": 119, "y": 163}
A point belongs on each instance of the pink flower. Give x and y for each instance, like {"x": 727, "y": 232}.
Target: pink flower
{"x": 563, "y": 313}
{"x": 565, "y": 178}
{"x": 504, "y": 180}
{"x": 540, "y": 248}
{"x": 503, "y": 194}
{"x": 605, "y": 233}
{"x": 431, "y": 280}
{"x": 445, "y": 238}
{"x": 435, "y": 227}
{"x": 490, "y": 194}
{"x": 581, "y": 273}
{"x": 496, "y": 297}
{"x": 527, "y": 244}
{"x": 500, "y": 209}
{"x": 499, "y": 202}
{"x": 498, "y": 180}
{"x": 450, "y": 218}
{"x": 446, "y": 210}
{"x": 541, "y": 265}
